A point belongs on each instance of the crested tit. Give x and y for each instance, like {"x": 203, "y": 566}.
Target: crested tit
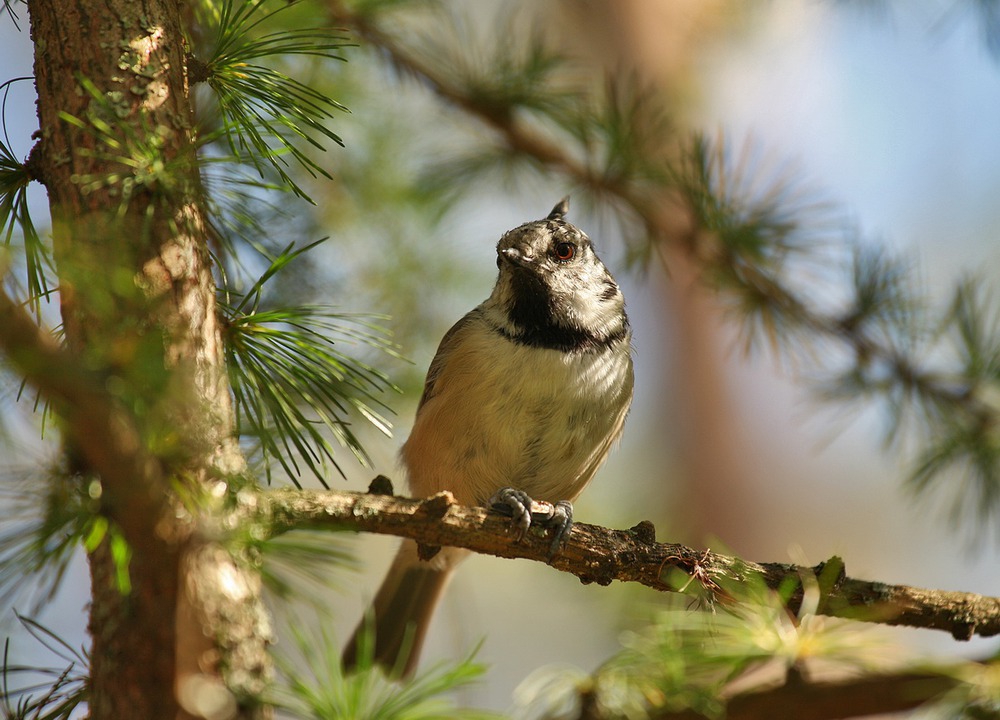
{"x": 530, "y": 389}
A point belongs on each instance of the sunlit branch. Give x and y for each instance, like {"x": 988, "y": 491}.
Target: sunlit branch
{"x": 600, "y": 555}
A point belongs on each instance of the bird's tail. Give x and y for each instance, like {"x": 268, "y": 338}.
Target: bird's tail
{"x": 401, "y": 612}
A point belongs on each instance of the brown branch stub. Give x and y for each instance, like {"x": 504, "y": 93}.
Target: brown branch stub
{"x": 33, "y": 165}
{"x": 381, "y": 485}
{"x": 198, "y": 71}
{"x": 600, "y": 555}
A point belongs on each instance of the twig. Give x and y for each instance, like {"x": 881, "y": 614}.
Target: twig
{"x": 600, "y": 555}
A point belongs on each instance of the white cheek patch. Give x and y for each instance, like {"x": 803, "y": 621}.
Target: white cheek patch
{"x": 582, "y": 298}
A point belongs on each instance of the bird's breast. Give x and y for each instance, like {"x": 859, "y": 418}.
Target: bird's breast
{"x": 507, "y": 414}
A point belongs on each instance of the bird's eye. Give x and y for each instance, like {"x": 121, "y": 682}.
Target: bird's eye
{"x": 564, "y": 251}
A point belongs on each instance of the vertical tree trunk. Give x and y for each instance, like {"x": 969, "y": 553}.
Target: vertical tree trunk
{"x": 138, "y": 307}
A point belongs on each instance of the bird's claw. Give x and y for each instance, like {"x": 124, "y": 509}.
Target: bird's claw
{"x": 515, "y": 504}
{"x": 518, "y": 505}
{"x": 561, "y": 522}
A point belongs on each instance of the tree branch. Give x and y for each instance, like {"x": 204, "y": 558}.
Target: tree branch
{"x": 519, "y": 137}
{"x": 855, "y": 697}
{"x": 668, "y": 215}
{"x": 102, "y": 430}
{"x": 600, "y": 555}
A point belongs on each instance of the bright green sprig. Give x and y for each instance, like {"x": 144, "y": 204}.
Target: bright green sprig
{"x": 264, "y": 111}
{"x": 688, "y": 661}
{"x": 291, "y": 382}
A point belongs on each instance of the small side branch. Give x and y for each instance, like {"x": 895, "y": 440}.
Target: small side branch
{"x": 599, "y": 555}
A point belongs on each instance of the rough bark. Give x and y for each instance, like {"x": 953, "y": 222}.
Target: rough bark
{"x": 116, "y": 156}
{"x": 600, "y": 555}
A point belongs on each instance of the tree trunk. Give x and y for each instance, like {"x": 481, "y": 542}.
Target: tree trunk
{"x": 137, "y": 296}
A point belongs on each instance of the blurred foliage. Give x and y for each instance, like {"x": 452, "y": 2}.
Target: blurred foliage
{"x": 301, "y": 567}
{"x": 47, "y": 518}
{"x": 753, "y": 230}
{"x": 314, "y": 685}
{"x": 43, "y": 523}
{"x": 688, "y": 662}
{"x": 983, "y": 16}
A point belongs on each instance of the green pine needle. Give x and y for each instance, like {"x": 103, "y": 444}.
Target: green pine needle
{"x": 8, "y": 7}
{"x": 975, "y": 324}
{"x": 963, "y": 437}
{"x": 508, "y": 69}
{"x": 239, "y": 207}
{"x": 292, "y": 384}
{"x": 760, "y": 239}
{"x": 15, "y": 218}
{"x": 51, "y": 693}
{"x": 303, "y": 566}
{"x": 314, "y": 685}
{"x": 267, "y": 114}
{"x": 43, "y": 523}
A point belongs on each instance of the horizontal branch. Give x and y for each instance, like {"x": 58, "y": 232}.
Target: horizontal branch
{"x": 599, "y": 555}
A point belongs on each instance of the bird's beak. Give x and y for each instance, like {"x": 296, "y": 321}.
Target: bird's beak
{"x": 517, "y": 256}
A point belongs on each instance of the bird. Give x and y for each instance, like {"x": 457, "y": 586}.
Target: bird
{"x": 523, "y": 401}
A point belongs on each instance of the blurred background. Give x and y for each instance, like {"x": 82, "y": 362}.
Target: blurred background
{"x": 887, "y": 111}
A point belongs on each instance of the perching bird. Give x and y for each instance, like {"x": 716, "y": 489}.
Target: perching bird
{"x": 529, "y": 391}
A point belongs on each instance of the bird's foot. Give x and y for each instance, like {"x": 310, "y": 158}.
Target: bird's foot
{"x": 526, "y": 512}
